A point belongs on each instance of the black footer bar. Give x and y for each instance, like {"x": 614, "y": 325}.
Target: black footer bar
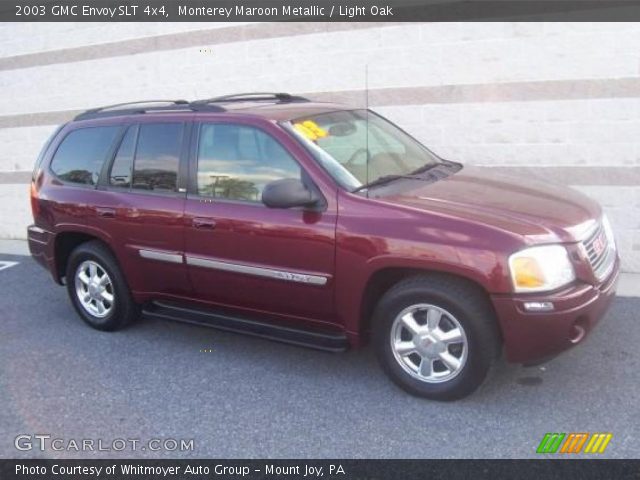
{"x": 319, "y": 469}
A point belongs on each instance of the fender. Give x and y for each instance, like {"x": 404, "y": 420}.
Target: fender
{"x": 350, "y": 292}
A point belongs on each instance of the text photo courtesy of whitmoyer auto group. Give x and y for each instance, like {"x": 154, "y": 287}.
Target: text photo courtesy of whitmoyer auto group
{"x": 286, "y": 239}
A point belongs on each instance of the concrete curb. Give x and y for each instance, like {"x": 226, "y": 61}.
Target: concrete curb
{"x": 628, "y": 286}
{"x": 13, "y": 247}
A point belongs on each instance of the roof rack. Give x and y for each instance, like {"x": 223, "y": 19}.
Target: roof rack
{"x": 279, "y": 97}
{"x": 114, "y": 110}
{"x": 181, "y": 105}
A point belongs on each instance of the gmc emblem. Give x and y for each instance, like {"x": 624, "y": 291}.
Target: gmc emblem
{"x": 599, "y": 244}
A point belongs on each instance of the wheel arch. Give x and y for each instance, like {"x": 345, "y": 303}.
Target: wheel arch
{"x": 382, "y": 279}
{"x": 67, "y": 240}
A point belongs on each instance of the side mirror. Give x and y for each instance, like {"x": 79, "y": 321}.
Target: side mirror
{"x": 288, "y": 193}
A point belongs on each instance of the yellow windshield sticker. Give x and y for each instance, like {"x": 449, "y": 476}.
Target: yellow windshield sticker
{"x": 315, "y": 128}
{"x": 305, "y": 131}
{"x": 311, "y": 129}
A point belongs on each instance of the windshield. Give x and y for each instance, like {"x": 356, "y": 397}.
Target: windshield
{"x": 356, "y": 155}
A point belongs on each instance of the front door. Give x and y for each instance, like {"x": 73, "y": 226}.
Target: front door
{"x": 240, "y": 253}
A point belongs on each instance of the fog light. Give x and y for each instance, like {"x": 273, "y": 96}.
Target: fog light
{"x": 538, "y": 306}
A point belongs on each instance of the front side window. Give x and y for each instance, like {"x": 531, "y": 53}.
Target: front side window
{"x": 157, "y": 157}
{"x": 357, "y": 147}
{"x": 80, "y": 156}
{"x": 235, "y": 162}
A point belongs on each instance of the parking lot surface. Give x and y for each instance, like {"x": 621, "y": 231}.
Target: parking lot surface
{"x": 238, "y": 396}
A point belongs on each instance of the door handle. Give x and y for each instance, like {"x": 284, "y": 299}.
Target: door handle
{"x": 202, "y": 222}
{"x": 106, "y": 212}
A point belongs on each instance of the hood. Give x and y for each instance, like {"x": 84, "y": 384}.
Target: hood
{"x": 519, "y": 205}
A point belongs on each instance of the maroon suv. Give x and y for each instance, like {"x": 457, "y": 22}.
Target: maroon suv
{"x": 318, "y": 225}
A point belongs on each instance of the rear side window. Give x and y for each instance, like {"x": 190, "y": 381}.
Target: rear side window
{"x": 120, "y": 175}
{"x": 157, "y": 156}
{"x": 80, "y": 156}
{"x": 235, "y": 162}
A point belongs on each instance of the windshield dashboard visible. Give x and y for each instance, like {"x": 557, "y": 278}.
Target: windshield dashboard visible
{"x": 360, "y": 148}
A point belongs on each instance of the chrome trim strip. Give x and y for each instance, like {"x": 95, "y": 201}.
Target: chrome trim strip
{"x": 608, "y": 263}
{"x": 34, "y": 229}
{"x": 601, "y": 264}
{"x": 161, "y": 256}
{"x": 583, "y": 231}
{"x": 35, "y": 240}
{"x": 257, "y": 271}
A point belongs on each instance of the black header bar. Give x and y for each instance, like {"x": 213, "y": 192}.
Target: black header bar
{"x": 317, "y": 11}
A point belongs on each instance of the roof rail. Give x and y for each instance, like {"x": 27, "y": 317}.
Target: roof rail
{"x": 280, "y": 97}
{"x": 181, "y": 105}
{"x": 113, "y": 110}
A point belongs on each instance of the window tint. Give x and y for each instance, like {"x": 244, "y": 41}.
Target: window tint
{"x": 157, "y": 156}
{"x": 236, "y": 162}
{"x": 80, "y": 156}
{"x": 44, "y": 149}
{"x": 120, "y": 175}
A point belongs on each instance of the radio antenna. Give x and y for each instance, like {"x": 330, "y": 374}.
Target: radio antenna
{"x": 366, "y": 103}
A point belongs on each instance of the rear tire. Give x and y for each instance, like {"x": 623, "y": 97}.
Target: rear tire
{"x": 436, "y": 336}
{"x": 98, "y": 289}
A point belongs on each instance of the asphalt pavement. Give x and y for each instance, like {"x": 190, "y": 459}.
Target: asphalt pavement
{"x": 243, "y": 397}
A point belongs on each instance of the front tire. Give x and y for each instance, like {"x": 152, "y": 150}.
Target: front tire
{"x": 435, "y": 336}
{"x": 97, "y": 288}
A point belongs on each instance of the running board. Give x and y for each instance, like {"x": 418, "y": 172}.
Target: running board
{"x": 330, "y": 342}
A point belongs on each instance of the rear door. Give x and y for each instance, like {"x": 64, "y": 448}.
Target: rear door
{"x": 242, "y": 254}
{"x": 140, "y": 203}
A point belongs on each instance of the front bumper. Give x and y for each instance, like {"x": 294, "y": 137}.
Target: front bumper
{"x": 530, "y": 337}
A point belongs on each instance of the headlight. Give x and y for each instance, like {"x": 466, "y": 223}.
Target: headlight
{"x": 539, "y": 269}
{"x": 608, "y": 231}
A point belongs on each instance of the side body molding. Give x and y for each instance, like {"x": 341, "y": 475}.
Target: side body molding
{"x": 266, "y": 272}
{"x": 225, "y": 266}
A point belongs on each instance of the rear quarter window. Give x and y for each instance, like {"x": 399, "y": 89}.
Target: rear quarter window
{"x": 43, "y": 151}
{"x": 80, "y": 156}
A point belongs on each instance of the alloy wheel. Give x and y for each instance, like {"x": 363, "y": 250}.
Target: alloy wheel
{"x": 94, "y": 289}
{"x": 429, "y": 343}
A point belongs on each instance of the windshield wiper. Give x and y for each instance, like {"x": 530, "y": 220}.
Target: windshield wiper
{"x": 389, "y": 178}
{"x": 425, "y": 168}
{"x": 379, "y": 181}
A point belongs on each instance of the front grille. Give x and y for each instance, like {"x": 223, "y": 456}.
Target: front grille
{"x": 600, "y": 252}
